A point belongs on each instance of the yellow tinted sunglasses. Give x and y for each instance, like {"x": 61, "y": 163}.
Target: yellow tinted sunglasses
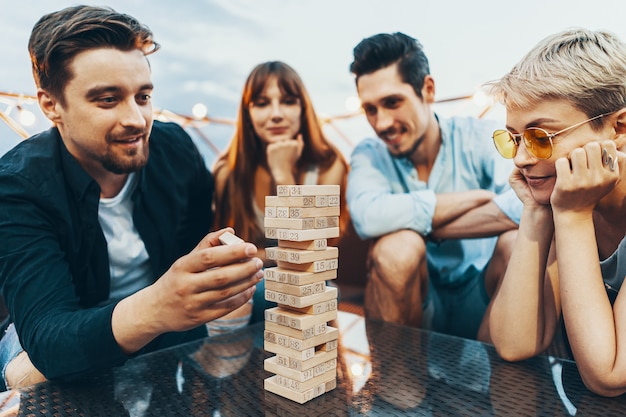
{"x": 537, "y": 141}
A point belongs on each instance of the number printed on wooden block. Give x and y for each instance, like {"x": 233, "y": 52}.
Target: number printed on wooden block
{"x": 297, "y": 290}
{"x": 292, "y": 300}
{"x": 315, "y": 309}
{"x": 304, "y": 190}
{"x": 271, "y": 233}
{"x": 307, "y": 234}
{"x": 300, "y": 334}
{"x": 288, "y": 223}
{"x": 270, "y": 385}
{"x": 304, "y": 364}
{"x": 300, "y": 212}
{"x": 270, "y": 211}
{"x": 316, "y": 266}
{"x": 295, "y": 344}
{"x": 272, "y": 365}
{"x": 303, "y": 354}
{"x": 300, "y": 256}
{"x": 288, "y": 276}
{"x": 315, "y": 244}
{"x": 297, "y": 320}
{"x": 299, "y": 386}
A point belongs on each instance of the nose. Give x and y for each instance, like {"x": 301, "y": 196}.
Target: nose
{"x": 523, "y": 157}
{"x": 277, "y": 112}
{"x": 384, "y": 120}
{"x": 134, "y": 114}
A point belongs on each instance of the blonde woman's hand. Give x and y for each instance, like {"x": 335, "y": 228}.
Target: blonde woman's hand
{"x": 584, "y": 178}
{"x": 282, "y": 158}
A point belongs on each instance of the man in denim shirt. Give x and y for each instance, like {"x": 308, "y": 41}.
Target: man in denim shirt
{"x": 431, "y": 193}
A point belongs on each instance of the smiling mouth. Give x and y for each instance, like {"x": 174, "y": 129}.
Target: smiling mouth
{"x": 133, "y": 139}
{"x": 535, "y": 181}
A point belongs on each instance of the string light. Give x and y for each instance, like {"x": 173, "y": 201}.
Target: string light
{"x": 25, "y": 118}
{"x": 199, "y": 111}
{"x": 353, "y": 104}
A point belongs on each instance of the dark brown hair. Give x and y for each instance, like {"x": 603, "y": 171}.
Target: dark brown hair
{"x": 59, "y": 36}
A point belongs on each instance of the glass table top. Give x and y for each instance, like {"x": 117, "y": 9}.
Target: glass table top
{"x": 382, "y": 370}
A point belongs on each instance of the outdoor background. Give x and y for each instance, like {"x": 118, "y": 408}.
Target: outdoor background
{"x": 210, "y": 46}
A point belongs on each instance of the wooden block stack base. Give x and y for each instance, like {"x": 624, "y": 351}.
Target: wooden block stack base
{"x": 302, "y": 218}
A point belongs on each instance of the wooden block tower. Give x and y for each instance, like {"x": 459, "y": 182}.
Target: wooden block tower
{"x": 302, "y": 218}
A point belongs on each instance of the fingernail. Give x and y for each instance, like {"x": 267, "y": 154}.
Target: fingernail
{"x": 250, "y": 250}
{"x": 259, "y": 263}
{"x": 260, "y": 274}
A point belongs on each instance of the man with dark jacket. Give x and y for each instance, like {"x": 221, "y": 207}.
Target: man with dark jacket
{"x": 104, "y": 251}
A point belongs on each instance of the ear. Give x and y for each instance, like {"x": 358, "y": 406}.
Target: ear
{"x": 428, "y": 90}
{"x": 620, "y": 128}
{"x": 49, "y": 105}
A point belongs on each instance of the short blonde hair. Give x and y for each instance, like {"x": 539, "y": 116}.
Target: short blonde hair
{"x": 586, "y": 68}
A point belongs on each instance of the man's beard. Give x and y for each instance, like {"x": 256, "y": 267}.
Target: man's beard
{"x": 117, "y": 165}
{"x": 132, "y": 161}
{"x": 412, "y": 149}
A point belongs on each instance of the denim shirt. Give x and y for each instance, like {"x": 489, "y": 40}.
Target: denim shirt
{"x": 385, "y": 194}
{"x": 54, "y": 267}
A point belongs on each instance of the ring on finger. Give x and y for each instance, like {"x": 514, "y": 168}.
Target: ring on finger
{"x": 608, "y": 160}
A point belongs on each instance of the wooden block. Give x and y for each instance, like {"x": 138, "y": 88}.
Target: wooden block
{"x": 317, "y": 266}
{"x": 271, "y": 365}
{"x": 297, "y": 290}
{"x": 324, "y": 405}
{"x": 288, "y": 276}
{"x": 297, "y": 320}
{"x": 297, "y": 354}
{"x": 271, "y": 232}
{"x": 300, "y": 212}
{"x": 275, "y": 201}
{"x": 287, "y": 345}
{"x": 299, "y": 302}
{"x": 270, "y": 385}
{"x": 315, "y": 309}
{"x": 270, "y": 211}
{"x": 299, "y": 386}
{"x": 333, "y": 201}
{"x": 315, "y": 244}
{"x": 319, "y": 357}
{"x": 332, "y": 221}
{"x": 321, "y": 201}
{"x": 330, "y": 346}
{"x": 324, "y": 222}
{"x": 287, "y": 223}
{"x": 228, "y": 238}
{"x": 304, "y": 190}
{"x": 283, "y": 212}
{"x": 282, "y": 191}
{"x": 291, "y": 353}
{"x": 306, "y": 333}
{"x": 307, "y": 234}
{"x": 301, "y": 256}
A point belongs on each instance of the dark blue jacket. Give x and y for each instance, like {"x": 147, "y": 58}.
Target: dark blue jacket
{"x": 54, "y": 267}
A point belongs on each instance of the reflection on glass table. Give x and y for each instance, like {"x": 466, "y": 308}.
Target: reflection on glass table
{"x": 383, "y": 370}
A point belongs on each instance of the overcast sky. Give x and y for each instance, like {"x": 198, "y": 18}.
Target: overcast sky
{"x": 210, "y": 46}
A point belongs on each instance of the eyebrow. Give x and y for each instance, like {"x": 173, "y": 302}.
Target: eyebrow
{"x": 535, "y": 123}
{"x": 98, "y": 91}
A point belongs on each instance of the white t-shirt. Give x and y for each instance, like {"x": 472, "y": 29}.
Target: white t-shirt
{"x": 129, "y": 262}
